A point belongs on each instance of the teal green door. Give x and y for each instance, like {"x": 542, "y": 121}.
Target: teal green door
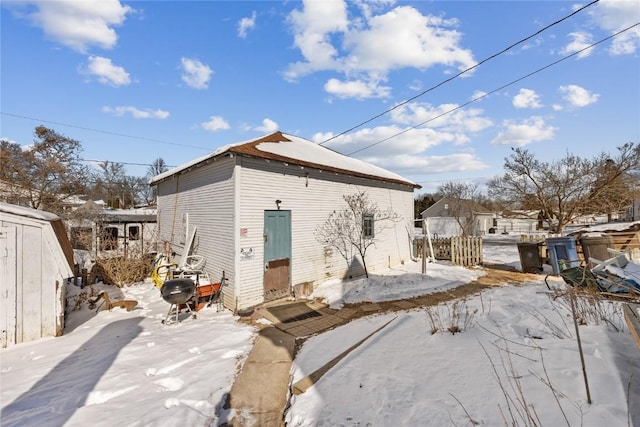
{"x": 277, "y": 254}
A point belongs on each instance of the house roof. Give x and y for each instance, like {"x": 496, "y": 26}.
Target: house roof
{"x": 442, "y": 208}
{"x": 128, "y": 216}
{"x": 28, "y": 212}
{"x": 298, "y": 151}
{"x": 53, "y": 219}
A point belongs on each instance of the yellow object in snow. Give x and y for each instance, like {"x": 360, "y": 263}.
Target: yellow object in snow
{"x": 162, "y": 272}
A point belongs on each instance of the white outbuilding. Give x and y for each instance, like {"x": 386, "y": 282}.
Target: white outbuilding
{"x": 252, "y": 209}
{"x": 36, "y": 260}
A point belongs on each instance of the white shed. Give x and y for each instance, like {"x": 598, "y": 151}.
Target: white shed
{"x": 253, "y": 208}
{"x": 35, "y": 260}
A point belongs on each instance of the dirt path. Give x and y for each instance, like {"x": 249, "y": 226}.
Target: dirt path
{"x": 496, "y": 275}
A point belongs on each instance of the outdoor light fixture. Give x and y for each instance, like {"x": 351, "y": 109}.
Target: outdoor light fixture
{"x": 278, "y": 201}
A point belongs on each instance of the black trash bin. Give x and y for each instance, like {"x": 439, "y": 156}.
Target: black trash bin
{"x": 530, "y": 259}
{"x": 596, "y": 247}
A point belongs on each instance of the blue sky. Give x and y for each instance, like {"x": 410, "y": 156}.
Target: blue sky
{"x": 134, "y": 81}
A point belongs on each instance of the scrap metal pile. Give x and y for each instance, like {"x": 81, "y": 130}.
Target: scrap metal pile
{"x": 618, "y": 275}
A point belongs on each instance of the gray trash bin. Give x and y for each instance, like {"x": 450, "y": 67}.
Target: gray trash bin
{"x": 530, "y": 259}
{"x": 596, "y": 247}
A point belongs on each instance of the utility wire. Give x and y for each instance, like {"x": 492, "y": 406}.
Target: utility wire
{"x": 122, "y": 163}
{"x": 460, "y": 73}
{"x": 495, "y": 90}
{"x": 142, "y": 138}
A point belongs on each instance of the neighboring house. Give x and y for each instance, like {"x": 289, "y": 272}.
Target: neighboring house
{"x": 112, "y": 231}
{"x": 36, "y": 259}
{"x": 518, "y": 221}
{"x": 451, "y": 217}
{"x": 14, "y": 194}
{"x": 251, "y": 209}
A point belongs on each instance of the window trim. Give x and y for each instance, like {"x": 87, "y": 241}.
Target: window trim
{"x": 368, "y": 226}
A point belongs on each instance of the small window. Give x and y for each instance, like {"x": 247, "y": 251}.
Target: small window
{"x": 109, "y": 238}
{"x": 134, "y": 232}
{"x": 367, "y": 226}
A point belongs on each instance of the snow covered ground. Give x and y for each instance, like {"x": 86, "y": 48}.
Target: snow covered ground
{"x": 516, "y": 346}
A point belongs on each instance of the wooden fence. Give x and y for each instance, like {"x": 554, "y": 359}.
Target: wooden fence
{"x": 466, "y": 251}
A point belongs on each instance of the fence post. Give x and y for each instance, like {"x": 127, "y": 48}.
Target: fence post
{"x": 424, "y": 253}
{"x": 83, "y": 278}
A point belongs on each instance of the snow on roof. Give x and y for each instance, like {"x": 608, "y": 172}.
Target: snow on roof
{"x": 300, "y": 151}
{"x": 27, "y": 212}
{"x": 309, "y": 152}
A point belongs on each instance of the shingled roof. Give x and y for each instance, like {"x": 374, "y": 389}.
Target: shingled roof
{"x": 296, "y": 151}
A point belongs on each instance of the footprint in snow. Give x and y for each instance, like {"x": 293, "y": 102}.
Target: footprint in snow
{"x": 153, "y": 371}
{"x": 170, "y": 384}
{"x": 98, "y": 397}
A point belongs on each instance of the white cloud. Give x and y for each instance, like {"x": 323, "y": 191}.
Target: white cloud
{"x": 195, "y": 74}
{"x": 403, "y": 37}
{"x": 107, "y": 72}
{"x": 614, "y": 15}
{"x": 581, "y": 40}
{"x": 246, "y": 24}
{"x": 80, "y": 24}
{"x": 136, "y": 113}
{"x": 445, "y": 117}
{"x": 367, "y": 48}
{"x": 530, "y": 130}
{"x": 312, "y": 29}
{"x": 383, "y": 141}
{"x": 427, "y": 165}
{"x": 268, "y": 126}
{"x": 215, "y": 123}
{"x": 358, "y": 89}
{"x": 578, "y": 96}
{"x": 478, "y": 94}
{"x": 404, "y": 153}
{"x": 526, "y": 98}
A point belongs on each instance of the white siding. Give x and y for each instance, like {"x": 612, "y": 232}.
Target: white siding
{"x": 311, "y": 195}
{"x": 202, "y": 197}
{"x": 33, "y": 289}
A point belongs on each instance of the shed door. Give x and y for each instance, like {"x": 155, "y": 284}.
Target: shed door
{"x": 277, "y": 254}
{"x": 8, "y": 283}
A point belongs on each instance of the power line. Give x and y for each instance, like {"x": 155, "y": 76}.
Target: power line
{"x": 454, "y": 179}
{"x": 122, "y": 163}
{"x": 142, "y": 138}
{"x": 494, "y": 90}
{"x": 460, "y": 73}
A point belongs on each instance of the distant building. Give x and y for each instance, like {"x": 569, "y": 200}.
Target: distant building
{"x": 453, "y": 217}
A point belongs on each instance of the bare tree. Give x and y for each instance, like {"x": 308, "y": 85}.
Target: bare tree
{"x": 464, "y": 203}
{"x": 618, "y": 194}
{"x": 156, "y": 168}
{"x": 45, "y": 173}
{"x": 354, "y": 228}
{"x": 109, "y": 183}
{"x": 565, "y": 189}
